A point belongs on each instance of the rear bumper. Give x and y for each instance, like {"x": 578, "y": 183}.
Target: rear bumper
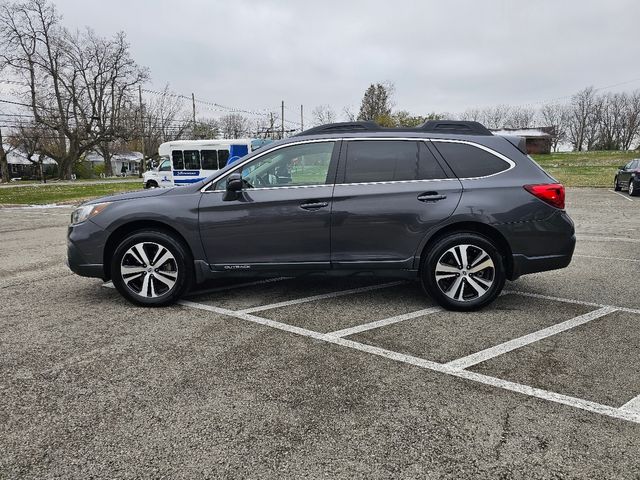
{"x": 523, "y": 264}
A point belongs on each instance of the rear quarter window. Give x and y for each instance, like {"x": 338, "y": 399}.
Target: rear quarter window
{"x": 468, "y": 161}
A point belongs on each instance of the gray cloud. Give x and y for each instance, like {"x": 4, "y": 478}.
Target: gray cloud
{"x": 442, "y": 56}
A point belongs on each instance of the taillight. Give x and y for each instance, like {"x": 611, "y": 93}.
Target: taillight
{"x": 551, "y": 193}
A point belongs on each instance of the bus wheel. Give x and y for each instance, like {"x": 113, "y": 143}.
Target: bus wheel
{"x": 151, "y": 184}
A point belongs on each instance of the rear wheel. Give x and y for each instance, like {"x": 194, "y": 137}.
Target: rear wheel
{"x": 633, "y": 190}
{"x": 151, "y": 268}
{"x": 616, "y": 185}
{"x": 463, "y": 271}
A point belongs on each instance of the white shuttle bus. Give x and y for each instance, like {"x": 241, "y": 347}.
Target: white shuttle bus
{"x": 188, "y": 161}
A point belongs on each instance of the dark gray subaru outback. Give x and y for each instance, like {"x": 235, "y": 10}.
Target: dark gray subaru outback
{"x": 447, "y": 203}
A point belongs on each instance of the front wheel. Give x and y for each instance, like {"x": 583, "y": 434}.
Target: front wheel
{"x": 151, "y": 268}
{"x": 463, "y": 271}
{"x": 633, "y": 191}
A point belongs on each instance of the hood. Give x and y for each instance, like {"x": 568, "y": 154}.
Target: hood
{"x": 154, "y": 192}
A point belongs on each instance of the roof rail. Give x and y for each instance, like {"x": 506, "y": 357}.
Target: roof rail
{"x": 342, "y": 127}
{"x": 460, "y": 127}
{"x": 437, "y": 126}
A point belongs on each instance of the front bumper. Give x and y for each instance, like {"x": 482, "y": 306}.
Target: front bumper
{"x": 85, "y": 247}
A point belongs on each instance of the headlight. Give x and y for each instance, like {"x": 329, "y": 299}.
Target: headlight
{"x": 85, "y": 212}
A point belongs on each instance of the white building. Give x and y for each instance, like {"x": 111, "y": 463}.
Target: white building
{"x": 130, "y": 160}
{"x": 21, "y": 167}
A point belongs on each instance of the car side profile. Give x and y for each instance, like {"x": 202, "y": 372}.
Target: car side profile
{"x": 628, "y": 178}
{"x": 448, "y": 204}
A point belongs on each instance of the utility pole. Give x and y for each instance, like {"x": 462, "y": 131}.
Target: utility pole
{"x": 143, "y": 162}
{"x": 271, "y": 126}
{"x": 282, "y": 118}
{"x": 193, "y": 104}
{"x": 301, "y": 119}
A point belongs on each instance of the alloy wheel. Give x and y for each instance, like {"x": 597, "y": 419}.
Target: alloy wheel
{"x": 465, "y": 273}
{"x": 149, "y": 269}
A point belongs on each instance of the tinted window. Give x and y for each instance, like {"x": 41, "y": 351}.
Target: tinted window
{"x": 389, "y": 160}
{"x": 191, "y": 160}
{"x": 178, "y": 160}
{"x": 306, "y": 164}
{"x": 223, "y": 157}
{"x": 468, "y": 161}
{"x": 209, "y": 159}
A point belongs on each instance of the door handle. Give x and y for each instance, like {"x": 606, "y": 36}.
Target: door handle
{"x": 314, "y": 205}
{"x": 431, "y": 197}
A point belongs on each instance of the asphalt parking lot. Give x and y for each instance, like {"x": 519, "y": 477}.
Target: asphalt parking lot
{"x": 322, "y": 377}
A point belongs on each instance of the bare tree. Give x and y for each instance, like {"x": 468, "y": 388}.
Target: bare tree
{"x": 557, "y": 116}
{"x": 31, "y": 140}
{"x": 163, "y": 120}
{"x": 323, "y": 114}
{"x": 495, "y": 117}
{"x": 349, "y": 114}
{"x": 69, "y": 91}
{"x": 472, "y": 115}
{"x": 234, "y": 125}
{"x": 631, "y": 120}
{"x": 581, "y": 116}
{"x": 521, "y": 117}
{"x": 206, "y": 129}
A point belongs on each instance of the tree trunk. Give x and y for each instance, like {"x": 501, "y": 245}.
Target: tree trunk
{"x": 41, "y": 167}
{"x": 4, "y": 165}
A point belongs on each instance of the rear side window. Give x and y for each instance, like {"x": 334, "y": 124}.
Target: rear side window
{"x": 192, "y": 160}
{"x": 468, "y": 161}
{"x": 389, "y": 160}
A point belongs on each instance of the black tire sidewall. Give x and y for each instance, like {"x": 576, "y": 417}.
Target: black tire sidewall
{"x": 178, "y": 250}
{"x": 427, "y": 272}
{"x": 634, "y": 187}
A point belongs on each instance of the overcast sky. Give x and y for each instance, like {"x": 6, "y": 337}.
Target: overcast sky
{"x": 441, "y": 55}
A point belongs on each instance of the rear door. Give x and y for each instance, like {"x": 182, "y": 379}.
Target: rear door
{"x": 389, "y": 193}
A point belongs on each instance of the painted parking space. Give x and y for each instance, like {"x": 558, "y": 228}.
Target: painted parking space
{"x": 598, "y": 361}
{"x": 446, "y": 336}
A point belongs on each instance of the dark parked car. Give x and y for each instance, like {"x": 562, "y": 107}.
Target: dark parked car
{"x": 628, "y": 178}
{"x": 447, "y": 203}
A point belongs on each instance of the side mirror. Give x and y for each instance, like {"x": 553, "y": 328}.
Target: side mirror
{"x": 622, "y": 167}
{"x": 234, "y": 187}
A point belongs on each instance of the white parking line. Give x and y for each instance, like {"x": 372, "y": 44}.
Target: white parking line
{"x": 623, "y": 196}
{"x": 383, "y": 323}
{"x": 484, "y": 355}
{"x": 570, "y": 300}
{"x": 618, "y": 259}
{"x": 632, "y": 405}
{"x": 320, "y": 297}
{"x": 582, "y": 404}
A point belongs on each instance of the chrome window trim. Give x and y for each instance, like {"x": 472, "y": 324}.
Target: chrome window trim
{"x": 277, "y": 147}
{"x": 502, "y": 157}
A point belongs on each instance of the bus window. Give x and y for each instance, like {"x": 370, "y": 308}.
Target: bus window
{"x": 223, "y": 156}
{"x": 165, "y": 166}
{"x": 210, "y": 160}
{"x": 191, "y": 160}
{"x": 178, "y": 160}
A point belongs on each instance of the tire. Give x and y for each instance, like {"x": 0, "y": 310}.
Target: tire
{"x": 151, "y": 268}
{"x": 616, "y": 185}
{"x": 633, "y": 190}
{"x": 463, "y": 289}
{"x": 151, "y": 184}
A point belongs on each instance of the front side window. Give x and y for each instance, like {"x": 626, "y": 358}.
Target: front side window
{"x": 296, "y": 165}
{"x": 468, "y": 161}
{"x": 178, "y": 160}
{"x": 191, "y": 160}
{"x": 165, "y": 166}
{"x": 390, "y": 160}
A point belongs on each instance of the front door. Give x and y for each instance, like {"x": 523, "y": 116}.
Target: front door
{"x": 389, "y": 193}
{"x": 281, "y": 218}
